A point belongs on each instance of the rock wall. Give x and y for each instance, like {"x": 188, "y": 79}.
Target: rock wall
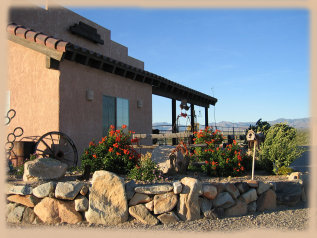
{"x": 108, "y": 199}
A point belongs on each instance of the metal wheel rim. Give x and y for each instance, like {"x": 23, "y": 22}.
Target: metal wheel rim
{"x": 59, "y": 146}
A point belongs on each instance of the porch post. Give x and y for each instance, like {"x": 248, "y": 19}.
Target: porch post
{"x": 192, "y": 118}
{"x": 174, "y": 119}
{"x": 206, "y": 117}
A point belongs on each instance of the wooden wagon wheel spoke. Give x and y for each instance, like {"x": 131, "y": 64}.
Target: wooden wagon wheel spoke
{"x": 61, "y": 147}
{"x": 45, "y": 152}
{"x": 47, "y": 146}
{"x": 52, "y": 139}
{"x": 68, "y": 152}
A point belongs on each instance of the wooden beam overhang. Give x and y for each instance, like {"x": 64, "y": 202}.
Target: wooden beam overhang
{"x": 160, "y": 86}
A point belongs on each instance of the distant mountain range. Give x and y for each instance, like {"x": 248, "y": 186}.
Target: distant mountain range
{"x": 301, "y": 123}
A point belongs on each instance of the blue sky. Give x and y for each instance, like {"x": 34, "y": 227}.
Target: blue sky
{"x": 255, "y": 62}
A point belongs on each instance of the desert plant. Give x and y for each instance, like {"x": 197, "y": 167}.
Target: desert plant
{"x": 303, "y": 137}
{"x": 284, "y": 170}
{"x": 146, "y": 170}
{"x": 280, "y": 147}
{"x": 260, "y": 126}
{"x": 113, "y": 153}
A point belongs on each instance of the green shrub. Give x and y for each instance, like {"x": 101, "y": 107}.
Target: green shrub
{"x": 280, "y": 148}
{"x": 146, "y": 170}
{"x": 229, "y": 161}
{"x": 303, "y": 137}
{"x": 113, "y": 153}
{"x": 260, "y": 126}
{"x": 284, "y": 170}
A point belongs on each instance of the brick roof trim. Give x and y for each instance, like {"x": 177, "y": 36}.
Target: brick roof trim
{"x": 37, "y": 37}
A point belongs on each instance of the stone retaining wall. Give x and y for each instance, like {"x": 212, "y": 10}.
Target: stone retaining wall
{"x": 108, "y": 199}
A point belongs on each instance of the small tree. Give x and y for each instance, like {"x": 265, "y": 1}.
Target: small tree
{"x": 280, "y": 148}
{"x": 260, "y": 126}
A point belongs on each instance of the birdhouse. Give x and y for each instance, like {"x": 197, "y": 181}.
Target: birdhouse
{"x": 251, "y": 136}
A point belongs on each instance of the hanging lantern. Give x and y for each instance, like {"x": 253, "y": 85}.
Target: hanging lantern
{"x": 183, "y": 105}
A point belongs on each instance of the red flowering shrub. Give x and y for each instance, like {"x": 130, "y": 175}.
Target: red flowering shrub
{"x": 112, "y": 153}
{"x": 229, "y": 161}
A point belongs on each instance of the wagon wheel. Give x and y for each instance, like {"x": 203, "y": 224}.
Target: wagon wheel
{"x": 57, "y": 145}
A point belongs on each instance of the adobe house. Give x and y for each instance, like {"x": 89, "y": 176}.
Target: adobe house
{"x": 66, "y": 74}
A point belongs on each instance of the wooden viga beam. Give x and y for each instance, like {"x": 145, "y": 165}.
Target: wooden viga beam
{"x": 162, "y": 136}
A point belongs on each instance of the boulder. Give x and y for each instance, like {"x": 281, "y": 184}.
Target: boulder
{"x": 294, "y": 176}
{"x": 177, "y": 187}
{"x": 28, "y": 216}
{"x": 266, "y": 201}
{"x": 205, "y": 206}
{"x": 37, "y": 220}
{"x": 27, "y": 200}
{"x": 242, "y": 187}
{"x": 305, "y": 181}
{"x": 142, "y": 214}
{"x": 233, "y": 190}
{"x": 188, "y": 207}
{"x": 249, "y": 196}
{"x": 81, "y": 203}
{"x": 209, "y": 191}
{"x": 44, "y": 190}
{"x": 252, "y": 207}
{"x": 19, "y": 189}
{"x": 168, "y": 218}
{"x": 129, "y": 189}
{"x": 178, "y": 160}
{"x": 221, "y": 187}
{"x": 15, "y": 215}
{"x": 164, "y": 202}
{"x": 161, "y": 156}
{"x": 217, "y": 212}
{"x": 239, "y": 209}
{"x": 68, "y": 190}
{"x": 263, "y": 187}
{"x": 303, "y": 196}
{"x": 107, "y": 199}
{"x": 52, "y": 211}
{"x": 150, "y": 206}
{"x": 252, "y": 183}
{"x": 10, "y": 207}
{"x": 43, "y": 169}
{"x": 84, "y": 190}
{"x": 288, "y": 193}
{"x": 139, "y": 198}
{"x": 224, "y": 200}
{"x": 154, "y": 189}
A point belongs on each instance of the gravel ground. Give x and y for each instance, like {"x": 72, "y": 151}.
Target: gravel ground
{"x": 282, "y": 219}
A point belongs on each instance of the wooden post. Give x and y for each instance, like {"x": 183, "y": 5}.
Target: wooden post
{"x": 174, "y": 120}
{"x": 192, "y": 118}
{"x": 206, "y": 117}
{"x": 253, "y": 160}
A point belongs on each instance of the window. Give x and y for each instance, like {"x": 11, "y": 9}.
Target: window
{"x": 115, "y": 111}
{"x": 122, "y": 112}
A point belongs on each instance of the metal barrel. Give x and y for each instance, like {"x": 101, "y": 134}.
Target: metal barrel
{"x": 21, "y": 151}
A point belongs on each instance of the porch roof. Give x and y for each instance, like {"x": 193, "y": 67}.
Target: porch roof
{"x": 58, "y": 50}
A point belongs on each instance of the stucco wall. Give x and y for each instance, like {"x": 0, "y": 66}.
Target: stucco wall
{"x": 82, "y": 119}
{"x": 34, "y": 91}
{"x": 56, "y": 22}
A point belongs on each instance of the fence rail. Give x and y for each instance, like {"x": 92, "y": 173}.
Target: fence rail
{"x": 229, "y": 133}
